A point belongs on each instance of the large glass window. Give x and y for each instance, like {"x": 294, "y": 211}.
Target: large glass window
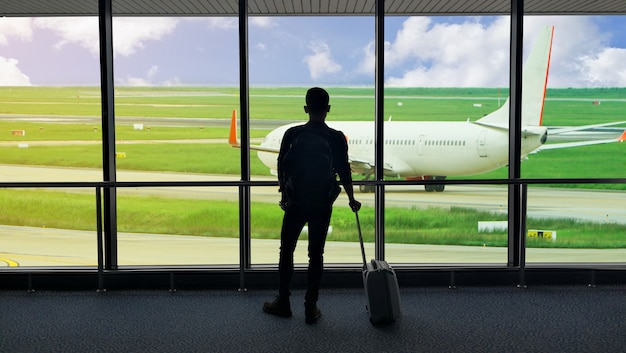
{"x": 50, "y": 111}
{"x": 178, "y": 226}
{"x": 579, "y": 222}
{"x": 442, "y": 96}
{"x": 466, "y": 226}
{"x": 289, "y": 55}
{"x": 572, "y": 224}
{"x": 446, "y": 117}
{"x": 48, "y": 227}
{"x": 50, "y": 132}
{"x": 583, "y": 105}
{"x": 176, "y": 90}
{"x": 176, "y": 85}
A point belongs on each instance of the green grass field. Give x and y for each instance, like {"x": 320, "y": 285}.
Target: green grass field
{"x": 158, "y": 215}
{"x": 436, "y": 226}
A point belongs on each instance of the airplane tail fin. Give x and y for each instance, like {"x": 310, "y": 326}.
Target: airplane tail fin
{"x": 232, "y": 137}
{"x": 534, "y": 85}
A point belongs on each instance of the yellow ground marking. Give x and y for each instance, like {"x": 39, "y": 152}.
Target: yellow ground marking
{"x": 9, "y": 262}
{"x": 65, "y": 260}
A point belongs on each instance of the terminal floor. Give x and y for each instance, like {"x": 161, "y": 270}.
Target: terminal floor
{"x": 469, "y": 319}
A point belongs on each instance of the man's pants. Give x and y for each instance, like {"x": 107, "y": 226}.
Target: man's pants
{"x": 318, "y": 219}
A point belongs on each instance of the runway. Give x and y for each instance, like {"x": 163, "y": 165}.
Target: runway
{"x": 147, "y": 121}
{"x": 34, "y": 247}
{"x": 45, "y": 247}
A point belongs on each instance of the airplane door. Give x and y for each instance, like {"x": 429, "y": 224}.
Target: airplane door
{"x": 482, "y": 144}
{"x": 420, "y": 144}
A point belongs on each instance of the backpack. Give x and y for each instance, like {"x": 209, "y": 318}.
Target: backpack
{"x": 308, "y": 172}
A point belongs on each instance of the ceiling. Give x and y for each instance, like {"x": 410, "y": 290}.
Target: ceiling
{"x": 28, "y": 8}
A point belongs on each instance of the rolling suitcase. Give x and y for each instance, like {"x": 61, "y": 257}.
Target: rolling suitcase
{"x": 381, "y": 287}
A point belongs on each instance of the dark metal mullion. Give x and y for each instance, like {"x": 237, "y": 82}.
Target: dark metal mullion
{"x": 515, "y": 126}
{"x": 244, "y": 118}
{"x": 379, "y": 85}
{"x": 522, "y": 242}
{"x": 99, "y": 239}
{"x": 105, "y": 15}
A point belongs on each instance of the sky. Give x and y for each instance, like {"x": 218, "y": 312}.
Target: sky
{"x": 588, "y": 51}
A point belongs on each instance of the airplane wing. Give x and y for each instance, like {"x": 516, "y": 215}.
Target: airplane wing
{"x": 551, "y": 146}
{"x": 360, "y": 166}
{"x": 562, "y": 130}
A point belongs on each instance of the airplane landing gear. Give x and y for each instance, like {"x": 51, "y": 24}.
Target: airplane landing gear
{"x": 437, "y": 188}
{"x": 366, "y": 188}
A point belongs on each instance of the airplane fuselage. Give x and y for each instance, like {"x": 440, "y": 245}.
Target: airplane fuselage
{"x": 422, "y": 149}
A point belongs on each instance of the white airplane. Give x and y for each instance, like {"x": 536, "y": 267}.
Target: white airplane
{"x": 423, "y": 150}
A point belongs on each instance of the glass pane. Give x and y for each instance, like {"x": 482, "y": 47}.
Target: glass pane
{"x": 178, "y": 226}
{"x": 175, "y": 98}
{"x": 465, "y": 224}
{"x": 442, "y": 98}
{"x": 283, "y": 67}
{"x": 568, "y": 224}
{"x": 266, "y": 220}
{"x": 48, "y": 227}
{"x": 50, "y": 100}
{"x": 342, "y": 245}
{"x": 50, "y": 105}
{"x": 583, "y": 100}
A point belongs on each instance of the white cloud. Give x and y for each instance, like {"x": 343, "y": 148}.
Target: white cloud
{"x": 469, "y": 54}
{"x": 604, "y": 69}
{"x": 475, "y": 53}
{"x": 368, "y": 64}
{"x": 135, "y": 81}
{"x": 262, "y": 22}
{"x": 154, "y": 69}
{"x": 581, "y": 56}
{"x": 224, "y": 23}
{"x": 321, "y": 62}
{"x": 175, "y": 81}
{"x": 13, "y": 27}
{"x": 129, "y": 34}
{"x": 149, "y": 79}
{"x": 10, "y": 74}
{"x": 232, "y": 23}
{"x": 81, "y": 30}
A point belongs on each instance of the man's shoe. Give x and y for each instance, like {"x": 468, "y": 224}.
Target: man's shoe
{"x": 311, "y": 314}
{"x": 278, "y": 307}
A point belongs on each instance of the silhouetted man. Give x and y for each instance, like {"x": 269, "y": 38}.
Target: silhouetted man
{"x": 310, "y": 158}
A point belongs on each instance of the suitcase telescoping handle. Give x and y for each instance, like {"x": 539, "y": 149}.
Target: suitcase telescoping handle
{"x": 358, "y": 225}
